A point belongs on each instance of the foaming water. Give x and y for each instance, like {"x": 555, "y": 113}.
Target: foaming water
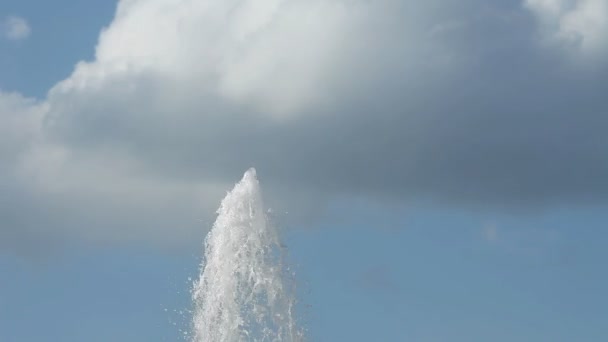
{"x": 244, "y": 292}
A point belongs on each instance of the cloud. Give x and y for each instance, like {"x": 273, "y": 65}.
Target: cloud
{"x": 581, "y": 25}
{"x": 16, "y": 28}
{"x": 389, "y": 100}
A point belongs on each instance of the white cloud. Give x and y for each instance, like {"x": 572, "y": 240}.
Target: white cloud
{"x": 276, "y": 57}
{"x": 324, "y": 97}
{"x": 16, "y": 28}
{"x": 242, "y": 50}
{"x": 578, "y": 24}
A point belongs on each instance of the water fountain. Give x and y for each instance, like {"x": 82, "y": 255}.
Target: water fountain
{"x": 244, "y": 292}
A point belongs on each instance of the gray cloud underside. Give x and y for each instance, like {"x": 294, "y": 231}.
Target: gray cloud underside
{"x": 462, "y": 103}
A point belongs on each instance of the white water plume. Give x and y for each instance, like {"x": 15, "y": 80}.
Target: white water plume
{"x": 244, "y": 292}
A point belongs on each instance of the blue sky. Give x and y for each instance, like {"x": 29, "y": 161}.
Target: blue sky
{"x": 427, "y": 276}
{"x": 62, "y": 35}
{"x": 451, "y": 187}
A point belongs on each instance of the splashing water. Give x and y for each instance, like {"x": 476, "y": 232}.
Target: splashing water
{"x": 244, "y": 292}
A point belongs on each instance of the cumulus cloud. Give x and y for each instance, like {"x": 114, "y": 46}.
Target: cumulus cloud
{"x": 390, "y": 100}
{"x": 16, "y": 28}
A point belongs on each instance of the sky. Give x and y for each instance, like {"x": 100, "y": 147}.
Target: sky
{"x": 438, "y": 168}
